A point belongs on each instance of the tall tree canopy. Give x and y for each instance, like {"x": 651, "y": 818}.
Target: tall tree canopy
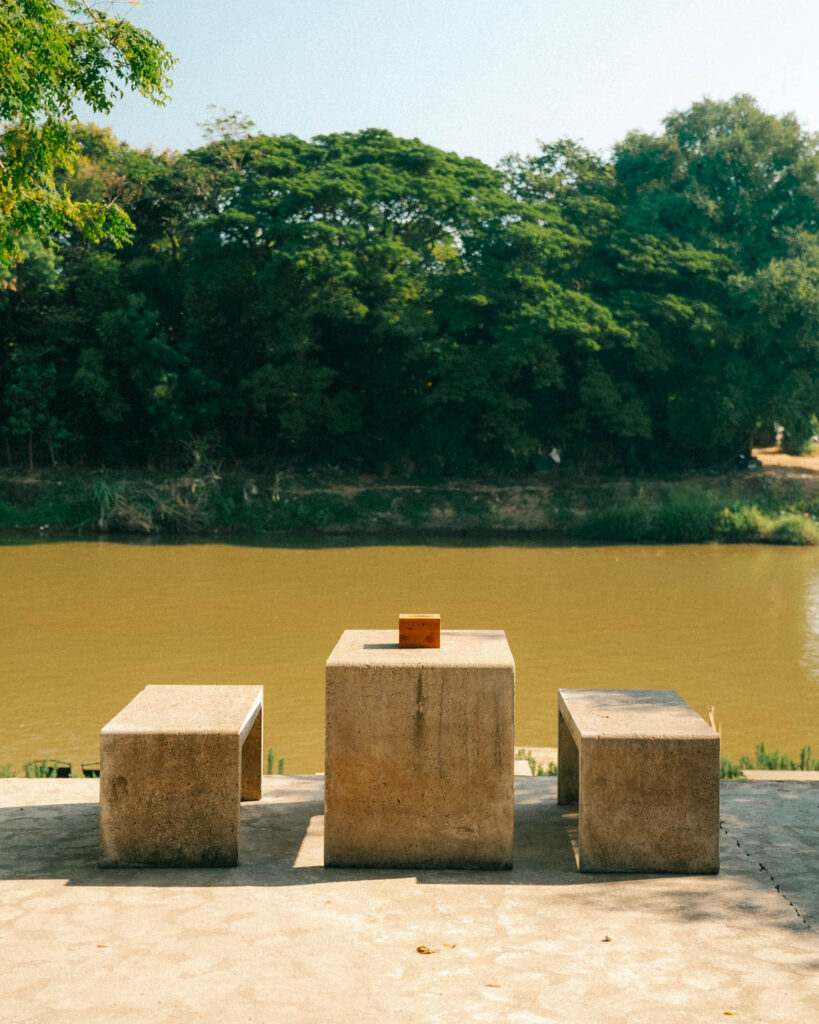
{"x": 374, "y": 302}
{"x": 53, "y": 54}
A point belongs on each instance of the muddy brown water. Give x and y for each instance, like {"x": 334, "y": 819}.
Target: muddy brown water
{"x": 84, "y": 626}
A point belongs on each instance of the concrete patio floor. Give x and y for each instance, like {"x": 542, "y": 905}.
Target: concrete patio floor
{"x": 281, "y": 940}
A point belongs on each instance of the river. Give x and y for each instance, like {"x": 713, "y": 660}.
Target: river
{"x": 84, "y": 626}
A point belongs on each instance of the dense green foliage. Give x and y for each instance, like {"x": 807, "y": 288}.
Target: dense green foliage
{"x": 54, "y": 54}
{"x": 374, "y": 303}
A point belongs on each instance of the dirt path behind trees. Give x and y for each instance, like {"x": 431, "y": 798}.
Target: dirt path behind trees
{"x": 795, "y": 465}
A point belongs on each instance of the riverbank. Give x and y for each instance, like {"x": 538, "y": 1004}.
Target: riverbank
{"x": 777, "y": 503}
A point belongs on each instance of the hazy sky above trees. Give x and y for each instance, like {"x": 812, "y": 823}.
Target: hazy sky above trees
{"x": 479, "y": 77}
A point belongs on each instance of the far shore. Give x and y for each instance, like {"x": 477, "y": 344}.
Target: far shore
{"x": 776, "y": 503}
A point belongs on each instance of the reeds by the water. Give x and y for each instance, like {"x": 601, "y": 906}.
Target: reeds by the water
{"x": 764, "y": 760}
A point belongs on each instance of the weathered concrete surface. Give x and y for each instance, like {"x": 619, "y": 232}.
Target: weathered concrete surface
{"x": 775, "y": 823}
{"x": 644, "y": 768}
{"x": 282, "y": 939}
{"x": 173, "y": 766}
{"x": 419, "y": 755}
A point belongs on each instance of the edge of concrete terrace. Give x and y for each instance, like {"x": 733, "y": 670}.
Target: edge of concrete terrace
{"x": 282, "y": 940}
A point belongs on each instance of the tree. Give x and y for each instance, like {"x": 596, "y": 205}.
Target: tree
{"x": 54, "y": 54}
{"x": 713, "y": 211}
{"x": 779, "y": 309}
{"x": 373, "y": 302}
{"x": 30, "y": 397}
{"x": 313, "y": 273}
{"x": 724, "y": 176}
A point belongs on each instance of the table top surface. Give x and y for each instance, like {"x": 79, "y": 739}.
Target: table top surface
{"x": 613, "y": 714}
{"x": 462, "y": 648}
{"x": 194, "y": 708}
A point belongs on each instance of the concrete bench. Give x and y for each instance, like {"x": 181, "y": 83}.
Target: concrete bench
{"x": 419, "y": 754}
{"x": 174, "y": 765}
{"x": 643, "y": 768}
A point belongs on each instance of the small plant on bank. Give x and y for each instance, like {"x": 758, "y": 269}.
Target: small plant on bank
{"x": 765, "y": 760}
{"x": 272, "y": 767}
{"x": 5, "y": 771}
{"x": 793, "y": 529}
{"x": 744, "y": 524}
{"x": 534, "y": 767}
{"x": 45, "y": 769}
{"x": 729, "y": 769}
{"x": 774, "y": 761}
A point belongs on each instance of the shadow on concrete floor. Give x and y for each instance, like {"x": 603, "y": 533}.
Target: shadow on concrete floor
{"x": 768, "y": 840}
{"x": 281, "y": 843}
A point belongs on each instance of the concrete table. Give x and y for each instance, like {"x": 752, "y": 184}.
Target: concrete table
{"x": 174, "y": 765}
{"x": 419, "y": 754}
{"x": 643, "y": 768}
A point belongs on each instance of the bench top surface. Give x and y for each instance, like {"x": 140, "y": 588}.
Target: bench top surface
{"x": 188, "y": 709}
{"x": 658, "y": 714}
{"x": 462, "y": 648}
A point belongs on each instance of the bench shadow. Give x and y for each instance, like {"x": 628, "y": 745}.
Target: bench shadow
{"x": 281, "y": 844}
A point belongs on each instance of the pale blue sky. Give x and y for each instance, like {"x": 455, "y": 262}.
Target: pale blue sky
{"x": 481, "y": 77}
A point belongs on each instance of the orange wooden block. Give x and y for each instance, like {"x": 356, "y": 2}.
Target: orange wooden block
{"x": 419, "y": 630}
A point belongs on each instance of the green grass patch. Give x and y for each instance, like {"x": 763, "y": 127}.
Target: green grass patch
{"x": 772, "y": 760}
{"x": 632, "y": 522}
{"x": 372, "y": 502}
{"x": 768, "y": 760}
{"x": 686, "y": 517}
{"x": 47, "y": 768}
{"x": 729, "y": 769}
{"x": 743, "y": 524}
{"x": 694, "y": 516}
{"x": 534, "y": 767}
{"x": 792, "y": 529}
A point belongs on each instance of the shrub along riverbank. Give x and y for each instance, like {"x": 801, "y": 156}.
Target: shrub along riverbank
{"x": 762, "y": 506}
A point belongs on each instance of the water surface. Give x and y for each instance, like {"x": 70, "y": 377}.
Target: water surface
{"x": 84, "y": 626}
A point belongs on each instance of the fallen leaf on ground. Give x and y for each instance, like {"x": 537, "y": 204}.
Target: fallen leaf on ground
{"x": 607, "y": 938}
{"x": 426, "y": 949}
{"x": 449, "y": 945}
{"x": 489, "y": 984}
